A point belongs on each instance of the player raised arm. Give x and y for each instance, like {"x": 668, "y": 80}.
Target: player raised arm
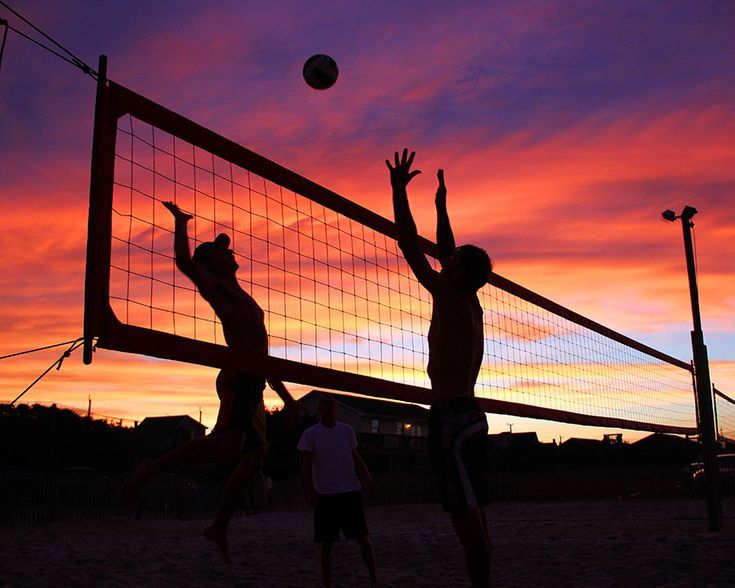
{"x": 444, "y": 235}
{"x": 400, "y": 176}
{"x": 184, "y": 262}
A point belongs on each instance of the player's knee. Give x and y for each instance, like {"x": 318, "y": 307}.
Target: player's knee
{"x": 229, "y": 441}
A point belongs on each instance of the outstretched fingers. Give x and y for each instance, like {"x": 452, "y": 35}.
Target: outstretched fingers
{"x": 401, "y": 169}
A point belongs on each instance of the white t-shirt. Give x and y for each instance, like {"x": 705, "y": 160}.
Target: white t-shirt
{"x": 333, "y": 469}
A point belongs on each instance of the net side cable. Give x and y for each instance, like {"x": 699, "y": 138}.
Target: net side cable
{"x": 69, "y": 57}
{"x": 56, "y": 364}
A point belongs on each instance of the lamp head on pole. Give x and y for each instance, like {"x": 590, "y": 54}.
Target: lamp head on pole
{"x": 669, "y": 215}
{"x": 686, "y": 215}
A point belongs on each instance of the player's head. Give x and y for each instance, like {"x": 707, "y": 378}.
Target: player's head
{"x": 469, "y": 268}
{"x": 216, "y": 256}
{"x": 327, "y": 409}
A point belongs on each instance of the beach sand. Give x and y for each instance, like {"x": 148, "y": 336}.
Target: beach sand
{"x": 626, "y": 543}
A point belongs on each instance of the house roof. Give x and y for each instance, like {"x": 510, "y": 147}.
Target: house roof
{"x": 166, "y": 424}
{"x": 580, "y": 442}
{"x": 506, "y": 438}
{"x": 375, "y": 407}
{"x": 660, "y": 441}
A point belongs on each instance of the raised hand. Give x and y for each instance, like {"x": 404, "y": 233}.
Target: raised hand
{"x": 177, "y": 212}
{"x": 441, "y": 191}
{"x": 400, "y": 173}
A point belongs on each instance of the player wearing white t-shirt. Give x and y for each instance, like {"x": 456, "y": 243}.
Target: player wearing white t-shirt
{"x": 331, "y": 469}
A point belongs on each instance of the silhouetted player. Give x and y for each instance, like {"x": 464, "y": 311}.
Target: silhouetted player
{"x": 240, "y": 427}
{"x": 457, "y": 425}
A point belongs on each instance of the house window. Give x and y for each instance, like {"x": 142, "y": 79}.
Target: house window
{"x": 408, "y": 429}
{"x": 375, "y": 426}
{"x": 418, "y": 430}
{"x": 399, "y": 428}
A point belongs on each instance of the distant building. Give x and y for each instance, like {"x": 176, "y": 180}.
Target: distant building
{"x": 160, "y": 434}
{"x": 506, "y": 440}
{"x": 518, "y": 451}
{"x": 583, "y": 452}
{"x": 371, "y": 415}
{"x": 664, "y": 449}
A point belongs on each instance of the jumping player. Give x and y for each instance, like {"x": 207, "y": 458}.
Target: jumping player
{"x": 239, "y": 432}
{"x": 457, "y": 425}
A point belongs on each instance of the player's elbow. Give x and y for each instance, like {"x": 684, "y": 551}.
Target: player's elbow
{"x": 182, "y": 259}
{"x": 407, "y": 241}
{"x": 185, "y": 265}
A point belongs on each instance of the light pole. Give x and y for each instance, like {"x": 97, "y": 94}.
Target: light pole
{"x": 706, "y": 421}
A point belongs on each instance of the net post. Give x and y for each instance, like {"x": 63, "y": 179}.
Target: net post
{"x": 707, "y": 432}
{"x": 705, "y": 398}
{"x": 99, "y": 227}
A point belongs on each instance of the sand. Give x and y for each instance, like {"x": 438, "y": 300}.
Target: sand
{"x": 628, "y": 543}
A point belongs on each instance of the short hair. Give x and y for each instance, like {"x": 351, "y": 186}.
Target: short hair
{"x": 204, "y": 250}
{"x": 476, "y": 263}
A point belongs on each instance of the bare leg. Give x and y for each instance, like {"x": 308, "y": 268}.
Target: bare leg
{"x": 471, "y": 532}
{"x": 249, "y": 465}
{"x": 486, "y": 528}
{"x": 213, "y": 448}
{"x": 366, "y": 549}
{"x": 327, "y": 565}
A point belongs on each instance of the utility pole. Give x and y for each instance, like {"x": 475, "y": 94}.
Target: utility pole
{"x": 707, "y": 427}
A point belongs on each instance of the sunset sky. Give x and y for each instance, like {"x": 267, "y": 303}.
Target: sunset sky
{"x": 565, "y": 128}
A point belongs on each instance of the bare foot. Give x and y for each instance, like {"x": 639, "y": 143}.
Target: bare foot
{"x": 134, "y": 483}
{"x": 219, "y": 538}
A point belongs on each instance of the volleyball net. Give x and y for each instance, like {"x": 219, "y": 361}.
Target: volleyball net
{"x": 343, "y": 310}
{"x": 724, "y": 416}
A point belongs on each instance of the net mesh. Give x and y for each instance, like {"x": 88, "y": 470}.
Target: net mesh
{"x": 339, "y": 294}
{"x": 725, "y": 412}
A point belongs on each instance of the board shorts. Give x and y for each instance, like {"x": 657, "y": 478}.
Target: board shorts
{"x": 458, "y": 453}
{"x": 335, "y": 512}
{"x": 242, "y": 408}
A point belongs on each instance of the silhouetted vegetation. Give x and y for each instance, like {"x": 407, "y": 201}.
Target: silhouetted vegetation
{"x": 36, "y": 436}
{"x": 54, "y": 461}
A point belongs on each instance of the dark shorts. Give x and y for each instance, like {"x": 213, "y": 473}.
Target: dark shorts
{"x": 458, "y": 453}
{"x": 241, "y": 407}
{"x": 335, "y": 512}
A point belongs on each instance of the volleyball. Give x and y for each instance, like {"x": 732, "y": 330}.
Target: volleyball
{"x": 320, "y": 71}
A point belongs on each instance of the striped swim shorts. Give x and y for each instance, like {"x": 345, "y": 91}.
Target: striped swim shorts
{"x": 458, "y": 453}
